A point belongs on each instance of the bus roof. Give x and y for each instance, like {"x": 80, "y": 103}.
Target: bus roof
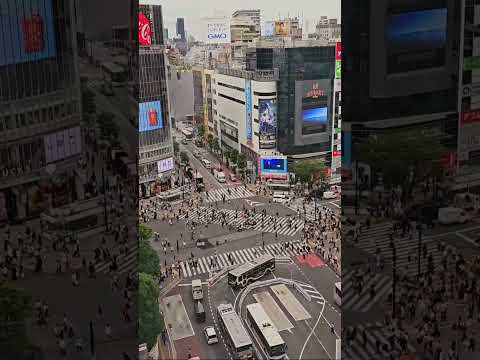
{"x": 239, "y": 270}
{"x": 265, "y": 324}
{"x": 234, "y": 325}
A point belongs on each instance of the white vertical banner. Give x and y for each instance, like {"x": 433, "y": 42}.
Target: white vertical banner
{"x": 338, "y": 349}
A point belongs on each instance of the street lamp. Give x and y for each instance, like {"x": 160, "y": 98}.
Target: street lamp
{"x": 419, "y": 248}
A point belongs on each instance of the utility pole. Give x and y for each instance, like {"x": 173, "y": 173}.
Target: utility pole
{"x": 356, "y": 187}
{"x": 92, "y": 343}
{"x": 394, "y": 274}
{"x": 104, "y": 199}
{"x": 419, "y": 228}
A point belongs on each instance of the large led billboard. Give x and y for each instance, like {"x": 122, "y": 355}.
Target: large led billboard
{"x": 282, "y": 28}
{"x": 315, "y": 120}
{"x": 267, "y": 123}
{"x": 62, "y": 144}
{"x": 273, "y": 165}
{"x": 29, "y": 27}
{"x": 217, "y": 30}
{"x": 144, "y": 30}
{"x": 269, "y": 28}
{"x": 416, "y": 39}
{"x": 165, "y": 165}
{"x": 248, "y": 109}
{"x": 150, "y": 116}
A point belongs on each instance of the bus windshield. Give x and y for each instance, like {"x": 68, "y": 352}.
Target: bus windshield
{"x": 277, "y": 350}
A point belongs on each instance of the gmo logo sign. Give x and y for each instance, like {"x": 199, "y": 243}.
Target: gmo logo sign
{"x": 217, "y": 36}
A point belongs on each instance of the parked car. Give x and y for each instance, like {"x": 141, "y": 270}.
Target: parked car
{"x": 452, "y": 215}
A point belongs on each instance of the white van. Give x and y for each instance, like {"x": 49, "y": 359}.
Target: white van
{"x": 452, "y": 215}
{"x": 207, "y": 163}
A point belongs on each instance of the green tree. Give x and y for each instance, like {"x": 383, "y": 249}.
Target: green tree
{"x": 309, "y": 171}
{"x": 108, "y": 127}
{"x": 234, "y": 156}
{"x": 184, "y": 157}
{"x": 216, "y": 145}
{"x": 242, "y": 162}
{"x": 144, "y": 232}
{"x": 88, "y": 105}
{"x": 150, "y": 323}
{"x": 226, "y": 154}
{"x": 404, "y": 159}
{"x": 210, "y": 141}
{"x": 176, "y": 147}
{"x": 148, "y": 260}
{"x": 15, "y": 307}
{"x": 201, "y": 131}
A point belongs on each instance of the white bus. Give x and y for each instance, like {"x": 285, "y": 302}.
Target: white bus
{"x": 264, "y": 331}
{"x": 237, "y": 337}
{"x": 251, "y": 271}
{"x": 187, "y": 134}
{"x": 337, "y": 293}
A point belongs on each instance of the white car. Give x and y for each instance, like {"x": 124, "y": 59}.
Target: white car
{"x": 210, "y": 335}
{"x": 329, "y": 195}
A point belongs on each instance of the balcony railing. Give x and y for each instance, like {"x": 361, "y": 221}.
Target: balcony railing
{"x": 258, "y": 75}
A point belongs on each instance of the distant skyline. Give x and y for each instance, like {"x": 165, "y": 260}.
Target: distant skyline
{"x": 193, "y": 11}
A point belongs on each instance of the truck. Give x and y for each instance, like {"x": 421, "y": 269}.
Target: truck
{"x": 197, "y": 290}
{"x": 452, "y": 215}
{"x": 219, "y": 175}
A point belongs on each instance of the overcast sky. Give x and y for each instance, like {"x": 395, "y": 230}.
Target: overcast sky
{"x": 194, "y": 10}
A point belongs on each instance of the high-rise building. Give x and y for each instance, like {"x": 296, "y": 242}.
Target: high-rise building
{"x": 252, "y": 14}
{"x": 305, "y": 95}
{"x": 243, "y": 31}
{"x": 41, "y": 138}
{"x": 181, "y": 28}
{"x": 198, "y": 96}
{"x": 329, "y": 29}
{"x": 155, "y": 163}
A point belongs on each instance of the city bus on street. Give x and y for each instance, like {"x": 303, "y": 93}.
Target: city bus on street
{"x": 236, "y": 336}
{"x": 265, "y": 332}
{"x": 187, "y": 134}
{"x": 337, "y": 293}
{"x": 250, "y": 271}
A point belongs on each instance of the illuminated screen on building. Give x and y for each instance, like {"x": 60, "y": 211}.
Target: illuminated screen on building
{"x": 416, "y": 39}
{"x": 315, "y": 107}
{"x": 144, "y": 30}
{"x": 150, "y": 116}
{"x": 28, "y": 26}
{"x": 267, "y": 123}
{"x": 273, "y": 165}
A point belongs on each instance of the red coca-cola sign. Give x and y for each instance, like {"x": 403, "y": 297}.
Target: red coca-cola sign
{"x": 153, "y": 117}
{"x": 338, "y": 51}
{"x": 144, "y": 30}
{"x": 337, "y": 153}
{"x": 470, "y": 117}
{"x": 33, "y": 33}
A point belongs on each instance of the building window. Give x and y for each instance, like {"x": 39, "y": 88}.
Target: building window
{"x": 231, "y": 99}
{"x": 231, "y": 86}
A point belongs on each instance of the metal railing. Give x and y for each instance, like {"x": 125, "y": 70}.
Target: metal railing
{"x": 258, "y": 75}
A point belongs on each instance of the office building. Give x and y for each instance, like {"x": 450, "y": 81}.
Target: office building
{"x": 243, "y": 31}
{"x": 198, "y": 101}
{"x": 305, "y": 95}
{"x": 328, "y": 29}
{"x": 41, "y": 138}
{"x": 181, "y": 29}
{"x": 252, "y": 14}
{"x": 469, "y": 100}
{"x": 155, "y": 163}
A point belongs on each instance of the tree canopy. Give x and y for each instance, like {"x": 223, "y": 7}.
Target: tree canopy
{"x": 309, "y": 171}
{"x": 150, "y": 322}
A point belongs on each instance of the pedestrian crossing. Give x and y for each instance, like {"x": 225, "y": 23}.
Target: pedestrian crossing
{"x": 364, "y": 301}
{"x": 208, "y": 264}
{"x": 307, "y": 211}
{"x": 227, "y": 193}
{"x": 126, "y": 262}
{"x": 372, "y": 341}
{"x": 406, "y": 249}
{"x": 288, "y": 226}
{"x": 312, "y": 292}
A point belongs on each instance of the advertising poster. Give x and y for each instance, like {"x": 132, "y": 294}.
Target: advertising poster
{"x": 248, "y": 109}
{"x": 267, "y": 123}
{"x": 281, "y": 28}
{"x": 62, "y": 144}
{"x": 273, "y": 165}
{"x": 150, "y": 116}
{"x": 29, "y": 25}
{"x": 338, "y": 51}
{"x": 269, "y": 28}
{"x": 338, "y": 69}
{"x": 144, "y": 30}
{"x": 165, "y": 165}
{"x": 217, "y": 30}
{"x": 416, "y": 39}
{"x": 315, "y": 107}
